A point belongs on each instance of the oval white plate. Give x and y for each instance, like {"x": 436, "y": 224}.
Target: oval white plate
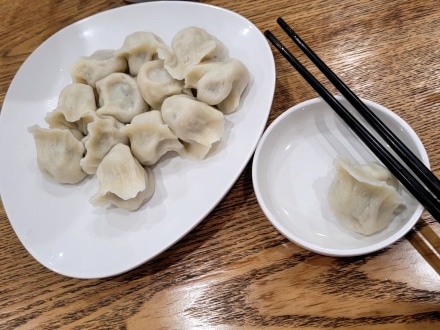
{"x": 293, "y": 169}
{"x": 56, "y": 223}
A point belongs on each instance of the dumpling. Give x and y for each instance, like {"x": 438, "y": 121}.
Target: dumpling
{"x": 194, "y": 122}
{"x": 119, "y": 96}
{"x": 363, "y": 197}
{"x": 89, "y": 69}
{"x": 123, "y": 181}
{"x": 75, "y": 100}
{"x": 219, "y": 83}
{"x": 104, "y": 134}
{"x": 150, "y": 138}
{"x": 140, "y": 47}
{"x": 59, "y": 153}
{"x": 191, "y": 46}
{"x": 75, "y": 109}
{"x": 156, "y": 84}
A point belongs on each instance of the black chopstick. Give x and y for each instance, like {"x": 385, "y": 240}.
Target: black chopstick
{"x": 413, "y": 162}
{"x": 424, "y": 196}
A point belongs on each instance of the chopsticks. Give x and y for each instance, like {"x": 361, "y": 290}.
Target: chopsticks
{"x": 427, "y": 190}
{"x": 427, "y": 242}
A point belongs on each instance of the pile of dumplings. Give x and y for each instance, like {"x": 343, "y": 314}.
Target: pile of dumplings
{"x": 127, "y": 108}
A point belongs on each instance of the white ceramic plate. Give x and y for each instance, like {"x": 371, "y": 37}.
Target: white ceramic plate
{"x": 293, "y": 169}
{"x": 56, "y": 223}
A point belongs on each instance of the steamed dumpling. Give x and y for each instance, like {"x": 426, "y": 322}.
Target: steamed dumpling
{"x": 156, "y": 84}
{"x": 140, "y": 47}
{"x": 123, "y": 181}
{"x": 89, "y": 69}
{"x": 104, "y": 134}
{"x": 75, "y": 100}
{"x": 191, "y": 46}
{"x": 150, "y": 138}
{"x": 219, "y": 83}
{"x": 58, "y": 153}
{"x": 364, "y": 197}
{"x": 194, "y": 122}
{"x": 119, "y": 96}
{"x": 76, "y": 108}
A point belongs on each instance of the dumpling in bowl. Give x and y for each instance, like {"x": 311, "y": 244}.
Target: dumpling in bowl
{"x": 191, "y": 46}
{"x": 104, "y": 134}
{"x": 119, "y": 96}
{"x": 75, "y": 110}
{"x": 364, "y": 197}
{"x": 194, "y": 122}
{"x": 59, "y": 152}
{"x": 123, "y": 181}
{"x": 140, "y": 47}
{"x": 150, "y": 138}
{"x": 89, "y": 69}
{"x": 156, "y": 84}
{"x": 219, "y": 83}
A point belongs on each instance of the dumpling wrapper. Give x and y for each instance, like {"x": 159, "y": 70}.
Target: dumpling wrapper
{"x": 104, "y": 134}
{"x": 364, "y": 197}
{"x": 140, "y": 47}
{"x": 191, "y": 46}
{"x": 156, "y": 84}
{"x": 123, "y": 181}
{"x": 150, "y": 138}
{"x": 89, "y": 69}
{"x": 119, "y": 96}
{"x": 76, "y": 108}
{"x": 59, "y": 153}
{"x": 219, "y": 83}
{"x": 194, "y": 122}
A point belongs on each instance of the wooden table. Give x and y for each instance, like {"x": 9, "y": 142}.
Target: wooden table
{"x": 234, "y": 270}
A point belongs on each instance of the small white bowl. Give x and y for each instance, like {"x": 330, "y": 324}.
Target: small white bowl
{"x": 293, "y": 169}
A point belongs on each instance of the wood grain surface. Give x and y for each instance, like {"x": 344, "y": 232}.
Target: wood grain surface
{"x": 234, "y": 270}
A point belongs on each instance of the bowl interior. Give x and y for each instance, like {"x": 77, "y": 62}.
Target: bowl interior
{"x": 293, "y": 169}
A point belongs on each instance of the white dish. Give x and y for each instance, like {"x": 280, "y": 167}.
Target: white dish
{"x": 56, "y": 223}
{"x": 293, "y": 169}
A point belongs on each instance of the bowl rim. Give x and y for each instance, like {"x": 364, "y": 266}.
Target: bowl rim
{"x": 320, "y": 249}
